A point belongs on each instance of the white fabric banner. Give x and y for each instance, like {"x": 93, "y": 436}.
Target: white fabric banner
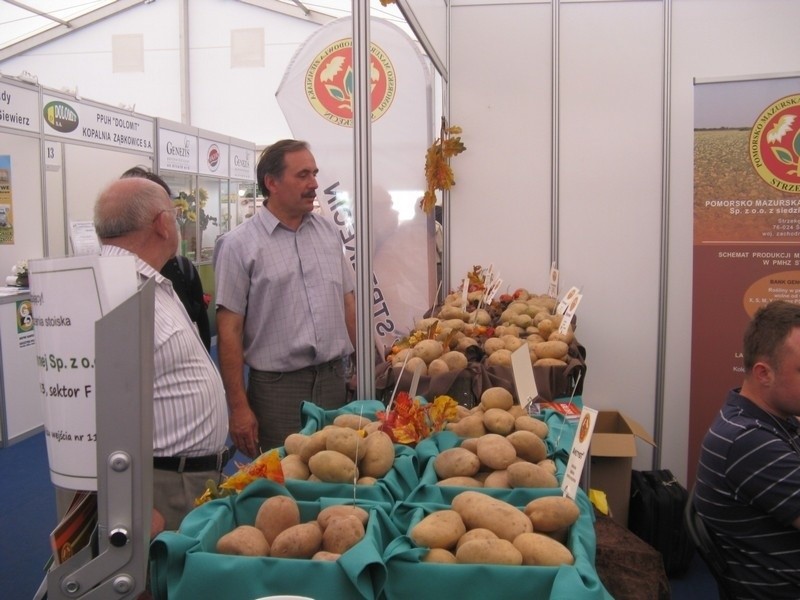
{"x": 316, "y": 96}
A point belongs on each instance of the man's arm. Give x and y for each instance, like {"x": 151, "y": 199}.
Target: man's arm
{"x": 350, "y": 316}
{"x": 243, "y": 425}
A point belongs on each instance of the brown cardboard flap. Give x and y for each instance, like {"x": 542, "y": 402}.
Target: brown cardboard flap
{"x": 615, "y": 435}
{"x": 613, "y": 444}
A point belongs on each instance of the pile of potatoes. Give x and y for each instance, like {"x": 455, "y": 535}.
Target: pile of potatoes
{"x": 351, "y": 450}
{"x": 504, "y": 447}
{"x": 439, "y": 343}
{"x": 479, "y": 529}
{"x": 279, "y": 533}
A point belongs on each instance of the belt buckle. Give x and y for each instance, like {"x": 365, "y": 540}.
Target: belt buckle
{"x": 181, "y": 464}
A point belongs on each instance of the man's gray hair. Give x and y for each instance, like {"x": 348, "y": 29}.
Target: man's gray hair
{"x": 123, "y": 208}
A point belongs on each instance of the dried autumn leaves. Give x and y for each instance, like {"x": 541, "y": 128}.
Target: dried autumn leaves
{"x": 438, "y": 173}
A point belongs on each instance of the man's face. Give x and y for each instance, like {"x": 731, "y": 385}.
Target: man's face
{"x": 294, "y": 193}
{"x": 784, "y": 392}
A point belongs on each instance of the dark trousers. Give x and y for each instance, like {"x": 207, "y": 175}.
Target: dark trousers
{"x": 275, "y": 398}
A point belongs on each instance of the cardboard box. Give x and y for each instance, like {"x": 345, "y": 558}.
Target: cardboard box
{"x": 612, "y": 450}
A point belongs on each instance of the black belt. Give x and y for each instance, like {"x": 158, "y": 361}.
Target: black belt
{"x": 180, "y": 464}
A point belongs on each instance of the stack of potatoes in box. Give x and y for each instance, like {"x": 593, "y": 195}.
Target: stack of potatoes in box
{"x": 439, "y": 344}
{"x": 279, "y": 533}
{"x": 352, "y": 449}
{"x": 504, "y": 448}
{"x": 479, "y": 529}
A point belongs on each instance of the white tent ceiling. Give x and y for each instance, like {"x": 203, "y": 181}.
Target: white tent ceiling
{"x": 25, "y": 24}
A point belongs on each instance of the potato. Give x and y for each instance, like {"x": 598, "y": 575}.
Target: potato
{"x": 497, "y": 479}
{"x": 329, "y": 513}
{"x": 427, "y": 350}
{"x": 347, "y": 441}
{"x": 438, "y": 367}
{"x": 539, "y": 549}
{"x": 293, "y": 443}
{"x": 464, "y": 343}
{"x": 351, "y": 420}
{"x": 424, "y": 324}
{"x": 551, "y": 513}
{"x": 548, "y": 465}
{"x": 459, "y": 481}
{"x": 497, "y": 420}
{"x": 299, "y": 541}
{"x": 455, "y": 360}
{"x": 517, "y": 411}
{"x": 440, "y": 529}
{"x": 479, "y": 533}
{"x": 439, "y": 555}
{"x": 378, "y": 455}
{"x": 489, "y": 552}
{"x": 326, "y": 556}
{"x": 554, "y": 349}
{"x": 245, "y": 540}
{"x": 451, "y": 311}
{"x": 528, "y": 445}
{"x": 342, "y": 533}
{"x": 496, "y": 397}
{"x": 366, "y": 481}
{"x": 275, "y": 515}
{"x": 314, "y": 443}
{"x": 471, "y": 426}
{"x": 549, "y": 362}
{"x": 500, "y": 358}
{"x": 456, "y": 462}
{"x": 413, "y": 363}
{"x": 332, "y": 467}
{"x": 400, "y": 357}
{"x": 528, "y": 423}
{"x": 470, "y": 444}
{"x": 528, "y": 475}
{"x": 567, "y": 338}
{"x": 512, "y": 342}
{"x": 294, "y": 468}
{"x": 492, "y": 345}
{"x": 495, "y": 451}
{"x": 481, "y": 316}
{"x": 479, "y": 510}
{"x": 546, "y": 327}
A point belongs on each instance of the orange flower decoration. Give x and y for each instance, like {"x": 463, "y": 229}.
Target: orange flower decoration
{"x": 266, "y": 466}
{"x": 409, "y": 421}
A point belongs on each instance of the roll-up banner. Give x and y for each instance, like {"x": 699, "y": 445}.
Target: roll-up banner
{"x": 746, "y": 227}
{"x": 316, "y": 97}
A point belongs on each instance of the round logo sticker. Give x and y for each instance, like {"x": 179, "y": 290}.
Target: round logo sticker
{"x": 775, "y": 144}
{"x": 329, "y": 83}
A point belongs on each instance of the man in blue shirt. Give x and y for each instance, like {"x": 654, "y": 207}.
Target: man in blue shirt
{"x": 748, "y": 478}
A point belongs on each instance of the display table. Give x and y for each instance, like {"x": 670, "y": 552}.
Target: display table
{"x": 385, "y": 564}
{"x": 20, "y": 401}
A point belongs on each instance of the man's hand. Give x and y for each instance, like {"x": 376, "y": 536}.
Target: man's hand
{"x": 243, "y": 428}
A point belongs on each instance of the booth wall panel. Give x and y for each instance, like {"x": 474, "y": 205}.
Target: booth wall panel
{"x": 26, "y": 193}
{"x": 88, "y": 170}
{"x": 500, "y": 95}
{"x": 610, "y": 196}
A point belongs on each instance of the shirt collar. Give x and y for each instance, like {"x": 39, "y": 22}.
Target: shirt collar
{"x": 143, "y": 268}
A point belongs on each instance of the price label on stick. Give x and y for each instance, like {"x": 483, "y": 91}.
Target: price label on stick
{"x": 571, "y": 308}
{"x": 565, "y": 301}
{"x": 552, "y": 290}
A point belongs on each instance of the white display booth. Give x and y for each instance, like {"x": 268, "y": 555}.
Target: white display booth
{"x": 57, "y": 152}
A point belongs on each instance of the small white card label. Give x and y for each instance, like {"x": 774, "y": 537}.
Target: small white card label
{"x": 579, "y": 452}
{"x": 571, "y": 308}
{"x": 524, "y": 380}
{"x": 562, "y": 306}
{"x": 552, "y": 289}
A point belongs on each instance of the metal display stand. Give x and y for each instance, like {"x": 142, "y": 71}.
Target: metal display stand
{"x": 124, "y": 409}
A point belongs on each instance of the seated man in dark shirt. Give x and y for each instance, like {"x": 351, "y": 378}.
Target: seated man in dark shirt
{"x": 748, "y": 479}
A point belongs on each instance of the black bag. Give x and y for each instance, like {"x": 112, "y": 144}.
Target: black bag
{"x": 655, "y": 515}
